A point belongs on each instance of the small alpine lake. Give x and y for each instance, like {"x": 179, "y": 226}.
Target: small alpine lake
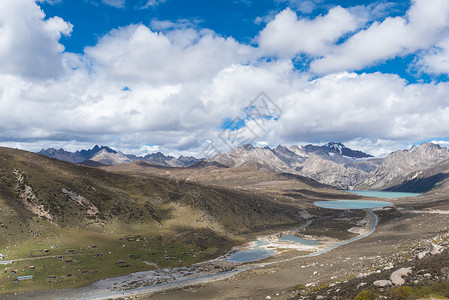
{"x": 352, "y": 204}
{"x": 364, "y": 204}
{"x": 384, "y": 194}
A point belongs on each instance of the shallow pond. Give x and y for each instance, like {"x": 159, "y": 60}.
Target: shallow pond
{"x": 297, "y": 239}
{"x": 259, "y": 252}
{"x": 256, "y": 253}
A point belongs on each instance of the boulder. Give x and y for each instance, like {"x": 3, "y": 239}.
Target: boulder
{"x": 382, "y": 283}
{"x": 396, "y": 276}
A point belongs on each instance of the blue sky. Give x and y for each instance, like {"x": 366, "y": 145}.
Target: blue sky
{"x": 175, "y": 74}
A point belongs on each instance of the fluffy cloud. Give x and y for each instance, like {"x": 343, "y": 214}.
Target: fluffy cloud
{"x": 287, "y": 35}
{"x": 436, "y": 60}
{"x": 424, "y": 25}
{"x": 137, "y": 53}
{"x": 348, "y": 106}
{"x": 29, "y": 45}
{"x": 174, "y": 88}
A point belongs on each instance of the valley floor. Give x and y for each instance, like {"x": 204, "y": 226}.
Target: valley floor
{"x": 398, "y": 235}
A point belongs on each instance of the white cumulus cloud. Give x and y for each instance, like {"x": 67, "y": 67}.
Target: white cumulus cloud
{"x": 137, "y": 53}
{"x": 29, "y": 43}
{"x": 425, "y": 23}
{"x": 287, "y": 35}
{"x": 174, "y": 88}
{"x": 436, "y": 60}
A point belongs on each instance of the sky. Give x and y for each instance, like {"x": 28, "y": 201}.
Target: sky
{"x": 200, "y": 77}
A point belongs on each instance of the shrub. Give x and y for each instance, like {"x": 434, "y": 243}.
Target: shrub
{"x": 365, "y": 295}
{"x": 402, "y": 293}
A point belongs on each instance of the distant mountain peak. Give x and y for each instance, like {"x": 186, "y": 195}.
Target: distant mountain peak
{"x": 75, "y": 157}
{"x": 110, "y": 158}
{"x": 337, "y": 146}
{"x": 343, "y": 150}
{"x": 247, "y": 147}
{"x": 281, "y": 148}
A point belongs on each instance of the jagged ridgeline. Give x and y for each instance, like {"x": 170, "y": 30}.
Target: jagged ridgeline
{"x": 55, "y": 194}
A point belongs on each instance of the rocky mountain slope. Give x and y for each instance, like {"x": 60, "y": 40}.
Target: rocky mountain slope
{"x": 405, "y": 165}
{"x": 338, "y": 166}
{"x": 333, "y": 164}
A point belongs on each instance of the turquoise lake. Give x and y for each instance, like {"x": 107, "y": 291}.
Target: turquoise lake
{"x": 364, "y": 204}
{"x": 352, "y": 204}
{"x": 382, "y": 194}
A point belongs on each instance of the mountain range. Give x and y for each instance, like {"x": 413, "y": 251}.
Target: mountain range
{"x": 104, "y": 155}
{"x": 338, "y": 166}
{"x": 332, "y": 164}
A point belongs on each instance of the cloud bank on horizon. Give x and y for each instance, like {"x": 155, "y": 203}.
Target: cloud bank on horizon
{"x": 373, "y": 76}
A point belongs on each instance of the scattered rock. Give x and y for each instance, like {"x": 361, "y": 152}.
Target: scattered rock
{"x": 396, "y": 276}
{"x": 382, "y": 283}
{"x": 310, "y": 284}
{"x": 435, "y": 249}
{"x": 427, "y": 275}
{"x": 432, "y": 249}
{"x": 422, "y": 254}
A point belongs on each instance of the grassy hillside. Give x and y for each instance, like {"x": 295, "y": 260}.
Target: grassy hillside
{"x": 251, "y": 177}
{"x": 106, "y": 224}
